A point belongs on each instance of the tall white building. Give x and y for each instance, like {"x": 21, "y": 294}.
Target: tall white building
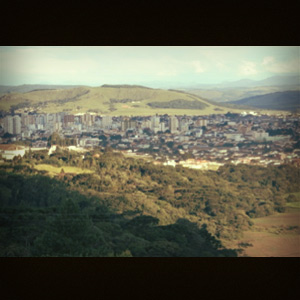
{"x": 8, "y": 124}
{"x": 173, "y": 124}
{"x": 16, "y": 125}
{"x": 162, "y": 127}
{"x": 155, "y": 123}
{"x": 106, "y": 121}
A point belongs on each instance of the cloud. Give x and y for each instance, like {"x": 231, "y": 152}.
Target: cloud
{"x": 274, "y": 66}
{"x": 268, "y": 59}
{"x": 198, "y": 67}
{"x": 248, "y": 68}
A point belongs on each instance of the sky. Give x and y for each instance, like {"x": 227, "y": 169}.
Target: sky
{"x": 153, "y": 66}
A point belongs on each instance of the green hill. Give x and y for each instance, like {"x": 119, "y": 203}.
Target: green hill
{"x": 288, "y": 100}
{"x": 111, "y": 99}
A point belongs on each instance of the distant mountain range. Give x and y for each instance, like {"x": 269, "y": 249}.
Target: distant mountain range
{"x": 237, "y": 90}
{"x": 289, "y": 100}
{"x": 271, "y": 81}
{"x": 243, "y": 83}
{"x": 25, "y": 88}
{"x": 141, "y": 100}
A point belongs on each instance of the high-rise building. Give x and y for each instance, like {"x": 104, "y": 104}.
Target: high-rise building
{"x": 24, "y": 120}
{"x": 146, "y": 124}
{"x": 106, "y": 122}
{"x": 16, "y": 125}
{"x": 69, "y": 120}
{"x": 162, "y": 127}
{"x": 183, "y": 125}
{"x": 8, "y": 124}
{"x": 173, "y": 124}
{"x": 87, "y": 119}
{"x": 155, "y": 121}
{"x": 128, "y": 124}
{"x": 40, "y": 120}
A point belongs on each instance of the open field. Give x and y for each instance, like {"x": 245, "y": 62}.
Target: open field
{"x": 56, "y": 170}
{"x": 273, "y": 236}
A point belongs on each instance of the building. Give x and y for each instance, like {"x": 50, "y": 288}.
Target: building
{"x": 87, "y": 119}
{"x": 8, "y": 124}
{"x": 69, "y": 120}
{"x": 106, "y": 122}
{"x": 155, "y": 121}
{"x": 16, "y": 125}
{"x": 183, "y": 125}
{"x": 12, "y": 125}
{"x": 162, "y": 127}
{"x": 201, "y": 122}
{"x": 173, "y": 124}
{"x": 260, "y": 135}
{"x": 127, "y": 124}
{"x": 10, "y": 151}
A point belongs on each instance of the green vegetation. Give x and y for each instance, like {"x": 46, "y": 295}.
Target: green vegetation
{"x": 110, "y": 99}
{"x": 41, "y": 217}
{"x": 179, "y": 104}
{"x": 57, "y": 170}
{"x": 288, "y": 100}
{"x": 109, "y": 205}
{"x": 294, "y": 204}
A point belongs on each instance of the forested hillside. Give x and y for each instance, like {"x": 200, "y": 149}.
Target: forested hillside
{"x": 129, "y": 207}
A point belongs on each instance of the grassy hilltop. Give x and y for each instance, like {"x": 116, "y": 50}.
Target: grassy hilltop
{"x": 113, "y": 100}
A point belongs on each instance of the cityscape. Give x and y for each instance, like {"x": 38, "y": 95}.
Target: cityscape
{"x": 202, "y": 142}
{"x": 149, "y": 151}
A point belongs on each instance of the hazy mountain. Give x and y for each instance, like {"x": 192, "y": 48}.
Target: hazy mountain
{"x": 25, "y": 88}
{"x": 271, "y": 81}
{"x": 289, "y": 100}
{"x": 233, "y": 94}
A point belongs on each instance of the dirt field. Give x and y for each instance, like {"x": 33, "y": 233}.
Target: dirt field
{"x": 273, "y": 236}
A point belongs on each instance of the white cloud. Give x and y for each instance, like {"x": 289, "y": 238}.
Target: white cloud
{"x": 248, "y": 68}
{"x": 198, "y": 67}
{"x": 283, "y": 67}
{"x": 267, "y": 60}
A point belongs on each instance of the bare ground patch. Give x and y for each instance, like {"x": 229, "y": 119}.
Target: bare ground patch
{"x": 272, "y": 236}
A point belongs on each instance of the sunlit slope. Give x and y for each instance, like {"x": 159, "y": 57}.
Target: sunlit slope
{"x": 113, "y": 100}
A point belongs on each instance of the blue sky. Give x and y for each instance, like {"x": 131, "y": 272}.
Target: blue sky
{"x": 181, "y": 65}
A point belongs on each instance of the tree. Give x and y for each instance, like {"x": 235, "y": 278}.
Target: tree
{"x": 71, "y": 233}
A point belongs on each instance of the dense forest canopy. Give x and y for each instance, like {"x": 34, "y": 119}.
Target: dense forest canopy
{"x": 130, "y": 207}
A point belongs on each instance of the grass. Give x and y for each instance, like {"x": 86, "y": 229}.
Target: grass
{"x": 84, "y": 99}
{"x": 56, "y": 170}
{"x": 294, "y": 204}
{"x": 272, "y": 236}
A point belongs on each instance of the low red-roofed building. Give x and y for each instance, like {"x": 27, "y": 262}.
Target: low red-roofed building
{"x": 9, "y": 151}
